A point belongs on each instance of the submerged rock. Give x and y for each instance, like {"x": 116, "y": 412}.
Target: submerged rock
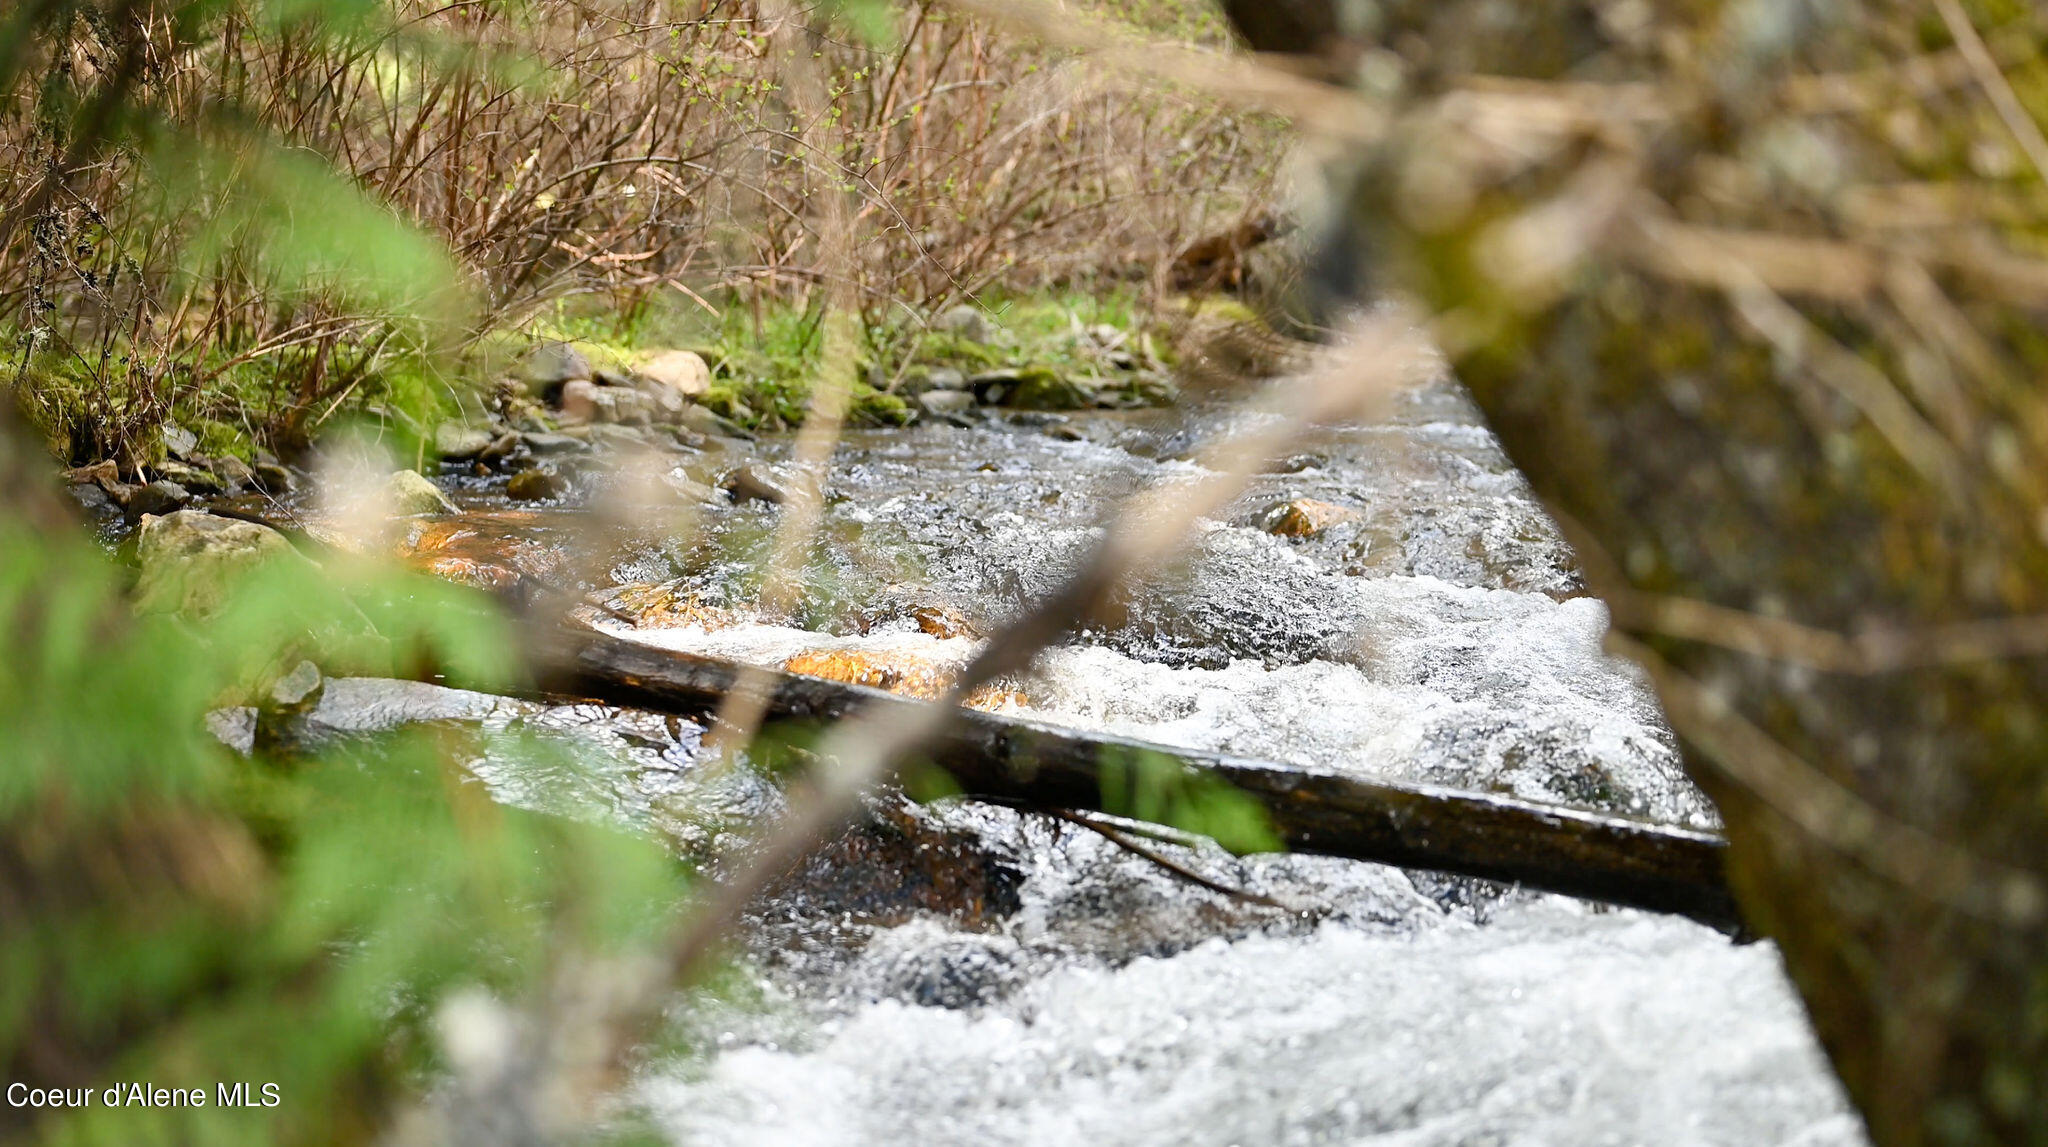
{"x": 762, "y": 481}
{"x": 190, "y": 560}
{"x": 690, "y": 490}
{"x": 503, "y": 552}
{"x": 900, "y": 671}
{"x": 537, "y": 484}
{"x": 943, "y": 621}
{"x": 409, "y": 493}
{"x": 1305, "y": 518}
{"x": 897, "y": 865}
{"x": 668, "y": 605}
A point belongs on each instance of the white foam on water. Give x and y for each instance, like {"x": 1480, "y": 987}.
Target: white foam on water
{"x": 1484, "y": 689}
{"x": 1476, "y": 688}
{"x": 1552, "y": 1025}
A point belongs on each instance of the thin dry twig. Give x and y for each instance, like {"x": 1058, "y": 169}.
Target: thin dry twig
{"x": 1118, "y": 837}
{"x": 740, "y": 717}
{"x": 1236, "y": 80}
{"x": 1868, "y": 653}
{"x": 1383, "y": 353}
{"x": 1996, "y": 87}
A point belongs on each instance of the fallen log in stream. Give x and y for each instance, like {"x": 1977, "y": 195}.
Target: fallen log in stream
{"x": 1548, "y": 847}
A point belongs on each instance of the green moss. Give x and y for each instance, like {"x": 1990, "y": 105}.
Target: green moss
{"x": 1041, "y": 388}
{"x": 940, "y": 348}
{"x": 876, "y": 408}
{"x": 725, "y": 400}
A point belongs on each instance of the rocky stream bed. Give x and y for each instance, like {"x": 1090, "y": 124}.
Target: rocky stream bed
{"x": 1389, "y": 601}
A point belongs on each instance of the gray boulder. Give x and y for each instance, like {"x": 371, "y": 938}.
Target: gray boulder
{"x": 458, "y": 442}
{"x": 553, "y": 364}
{"x": 409, "y": 493}
{"x": 941, "y": 403}
{"x": 682, "y": 371}
{"x": 190, "y": 560}
{"x": 966, "y": 321}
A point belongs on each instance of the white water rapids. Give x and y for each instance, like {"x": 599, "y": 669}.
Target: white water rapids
{"x": 962, "y": 973}
{"x": 1437, "y": 640}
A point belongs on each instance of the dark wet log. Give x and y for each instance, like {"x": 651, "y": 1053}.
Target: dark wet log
{"x": 1556, "y": 849}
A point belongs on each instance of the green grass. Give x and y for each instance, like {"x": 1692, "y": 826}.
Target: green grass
{"x": 764, "y": 361}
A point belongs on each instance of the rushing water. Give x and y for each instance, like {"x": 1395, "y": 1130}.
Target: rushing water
{"x": 1436, "y": 636}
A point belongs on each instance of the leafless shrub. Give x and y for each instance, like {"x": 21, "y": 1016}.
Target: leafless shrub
{"x": 632, "y": 150}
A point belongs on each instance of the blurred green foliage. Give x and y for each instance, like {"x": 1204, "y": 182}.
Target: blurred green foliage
{"x": 173, "y": 913}
{"x": 1154, "y": 787}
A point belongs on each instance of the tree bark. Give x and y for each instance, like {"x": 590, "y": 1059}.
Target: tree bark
{"x": 1547, "y": 847}
{"x": 1746, "y": 303}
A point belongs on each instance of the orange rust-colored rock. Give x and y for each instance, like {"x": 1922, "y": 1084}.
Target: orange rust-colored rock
{"x": 903, "y": 673}
{"x": 664, "y": 607}
{"x": 496, "y": 552}
{"x": 942, "y": 621}
{"x": 1306, "y": 518}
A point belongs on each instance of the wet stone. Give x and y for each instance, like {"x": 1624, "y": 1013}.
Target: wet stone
{"x": 273, "y": 479}
{"x": 408, "y": 493}
{"x": 189, "y": 560}
{"x": 946, "y": 402}
{"x": 194, "y": 479}
{"x": 298, "y": 688}
{"x": 500, "y": 449}
{"x": 535, "y": 485}
{"x": 159, "y": 497}
{"x": 544, "y": 443}
{"x": 761, "y": 481}
{"x": 1305, "y": 518}
{"x": 93, "y": 500}
{"x": 457, "y": 442}
{"x": 236, "y": 473}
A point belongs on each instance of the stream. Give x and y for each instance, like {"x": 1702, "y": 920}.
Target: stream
{"x": 965, "y": 973}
